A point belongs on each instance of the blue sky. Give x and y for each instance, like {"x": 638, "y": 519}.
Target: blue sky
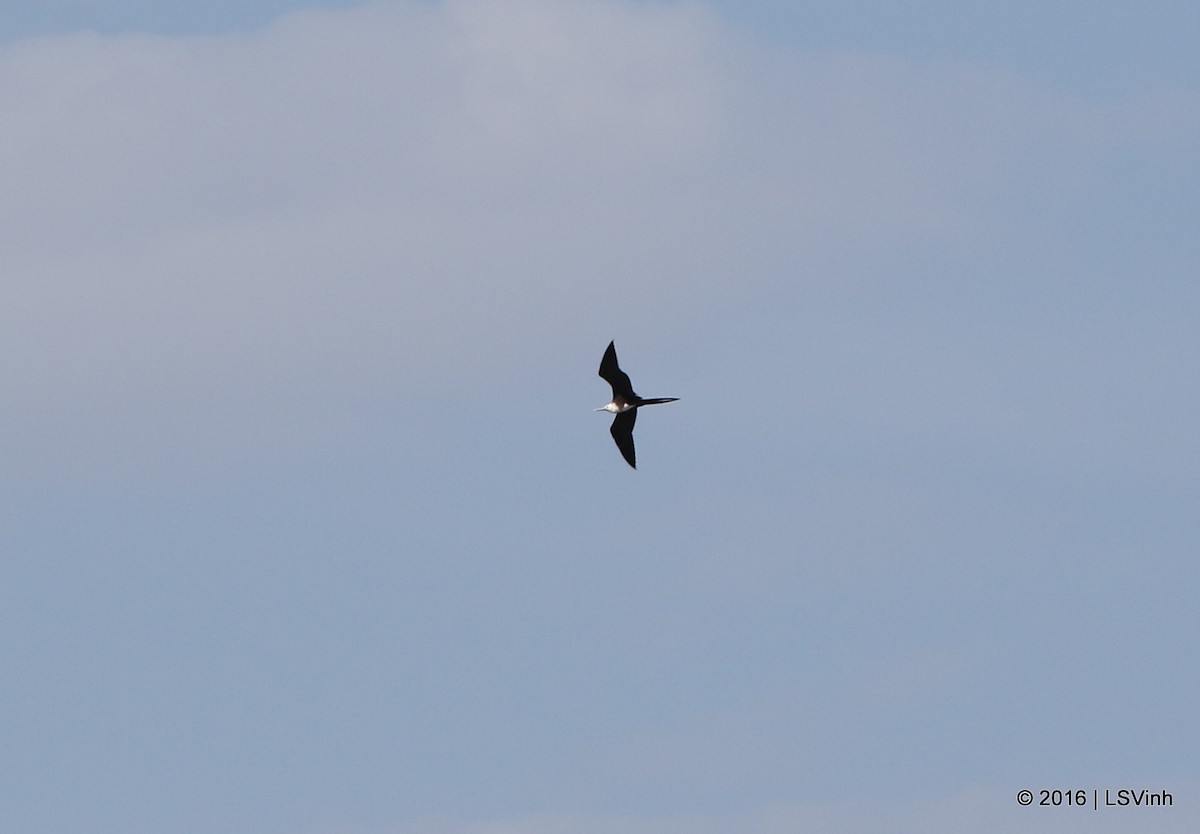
{"x": 1124, "y": 46}
{"x": 308, "y": 524}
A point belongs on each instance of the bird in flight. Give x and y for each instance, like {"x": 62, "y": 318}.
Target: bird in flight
{"x": 624, "y": 404}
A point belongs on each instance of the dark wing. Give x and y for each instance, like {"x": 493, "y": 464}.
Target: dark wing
{"x": 622, "y": 432}
{"x": 618, "y": 379}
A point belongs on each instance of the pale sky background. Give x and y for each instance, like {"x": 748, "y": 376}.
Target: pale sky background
{"x": 307, "y": 524}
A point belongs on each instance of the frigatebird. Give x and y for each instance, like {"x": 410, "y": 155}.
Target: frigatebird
{"x": 624, "y": 404}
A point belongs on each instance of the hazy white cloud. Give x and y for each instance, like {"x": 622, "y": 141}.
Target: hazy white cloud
{"x": 231, "y": 233}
